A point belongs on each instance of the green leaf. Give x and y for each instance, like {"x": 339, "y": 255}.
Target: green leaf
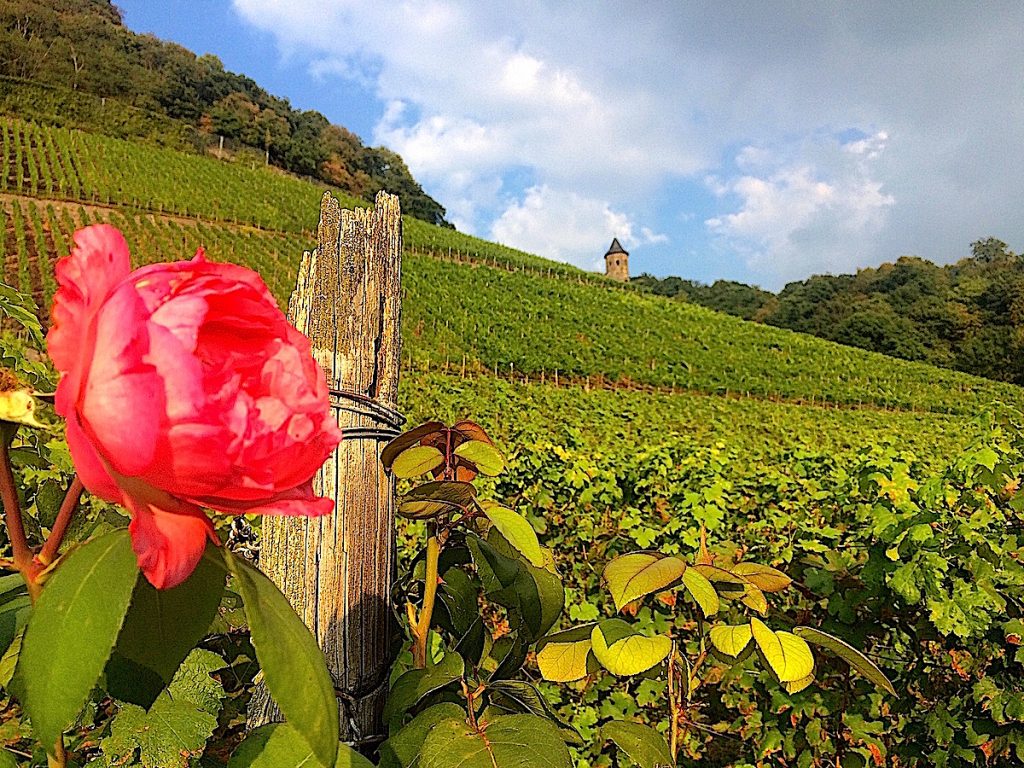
{"x": 14, "y": 615}
{"x": 279, "y": 745}
{"x": 764, "y": 577}
{"x": 73, "y": 629}
{"x": 518, "y": 532}
{"x": 535, "y": 599}
{"x": 7, "y": 760}
{"x": 641, "y": 573}
{"x": 161, "y": 627}
{"x": 179, "y": 723}
{"x": 416, "y": 461}
{"x": 496, "y": 571}
{"x": 293, "y": 665}
{"x": 508, "y": 741}
{"x": 730, "y": 640}
{"x": 788, "y": 656}
{"x": 22, "y": 309}
{"x": 702, "y": 591}
{"x": 847, "y": 653}
{"x": 519, "y": 696}
{"x": 431, "y": 499}
{"x": 413, "y": 685}
{"x": 566, "y": 656}
{"x": 624, "y": 651}
{"x": 402, "y": 750}
{"x": 485, "y": 457}
{"x": 644, "y": 745}
{"x": 410, "y": 438}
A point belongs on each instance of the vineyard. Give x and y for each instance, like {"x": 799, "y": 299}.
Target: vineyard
{"x": 887, "y": 489}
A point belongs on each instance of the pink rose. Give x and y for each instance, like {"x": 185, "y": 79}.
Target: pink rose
{"x": 184, "y": 387}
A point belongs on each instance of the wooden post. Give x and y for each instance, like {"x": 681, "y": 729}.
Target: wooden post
{"x": 336, "y": 570}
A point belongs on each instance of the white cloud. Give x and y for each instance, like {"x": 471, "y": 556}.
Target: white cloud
{"x": 567, "y": 227}
{"x": 794, "y": 219}
{"x": 487, "y": 101}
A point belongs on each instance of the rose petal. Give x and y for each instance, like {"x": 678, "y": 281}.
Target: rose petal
{"x": 123, "y": 400}
{"x": 97, "y": 264}
{"x": 169, "y": 545}
{"x": 91, "y": 471}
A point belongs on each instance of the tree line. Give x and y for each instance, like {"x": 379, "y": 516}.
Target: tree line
{"x": 83, "y": 46}
{"x": 968, "y": 316}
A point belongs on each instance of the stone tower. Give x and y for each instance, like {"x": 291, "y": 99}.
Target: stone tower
{"x": 616, "y": 262}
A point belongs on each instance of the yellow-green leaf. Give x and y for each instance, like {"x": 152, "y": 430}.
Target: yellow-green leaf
{"x": 764, "y": 577}
{"x": 788, "y": 656}
{"x": 730, "y": 640}
{"x": 798, "y": 685}
{"x": 416, "y": 461}
{"x": 623, "y": 651}
{"x": 18, "y": 406}
{"x": 754, "y": 599}
{"x": 701, "y": 590}
{"x": 517, "y": 531}
{"x": 641, "y": 573}
{"x": 485, "y": 457}
{"x": 565, "y": 656}
{"x": 847, "y": 653}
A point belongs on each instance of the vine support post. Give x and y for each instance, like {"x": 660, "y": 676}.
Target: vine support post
{"x": 337, "y": 570}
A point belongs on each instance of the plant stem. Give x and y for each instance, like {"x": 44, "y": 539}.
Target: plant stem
{"x": 22, "y": 555}
{"x": 673, "y": 704}
{"x": 422, "y": 629}
{"x": 60, "y": 526}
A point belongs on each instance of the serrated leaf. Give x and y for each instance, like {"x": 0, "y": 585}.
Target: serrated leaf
{"x": 416, "y": 461}
{"x": 402, "y": 749}
{"x": 494, "y": 569}
{"x": 73, "y": 629}
{"x": 730, "y": 639}
{"x": 754, "y": 599}
{"x": 855, "y": 658}
{"x": 179, "y": 723}
{"x": 624, "y": 651}
{"x": 764, "y": 577}
{"x": 508, "y": 741}
{"x": 14, "y": 615}
{"x": 413, "y": 685}
{"x": 518, "y": 532}
{"x": 641, "y": 573}
{"x": 293, "y": 665}
{"x": 161, "y": 627}
{"x": 788, "y": 656}
{"x": 642, "y": 744}
{"x": 279, "y": 745}
{"x": 485, "y": 457}
{"x": 702, "y": 591}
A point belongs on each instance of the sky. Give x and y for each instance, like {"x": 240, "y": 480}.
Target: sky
{"x": 751, "y": 141}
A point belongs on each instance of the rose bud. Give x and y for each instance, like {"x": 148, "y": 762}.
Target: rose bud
{"x": 184, "y": 388}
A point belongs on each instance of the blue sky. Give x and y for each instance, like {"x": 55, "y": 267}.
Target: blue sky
{"x": 753, "y": 141}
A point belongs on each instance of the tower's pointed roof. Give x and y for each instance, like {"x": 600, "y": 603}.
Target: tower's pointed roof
{"x": 616, "y": 247}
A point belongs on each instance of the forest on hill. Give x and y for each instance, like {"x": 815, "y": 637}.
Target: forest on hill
{"x": 968, "y": 315}
{"x": 55, "y": 53}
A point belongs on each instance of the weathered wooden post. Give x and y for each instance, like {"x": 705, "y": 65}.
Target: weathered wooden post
{"x": 337, "y": 570}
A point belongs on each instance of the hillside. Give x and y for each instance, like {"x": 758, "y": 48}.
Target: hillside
{"x": 637, "y": 421}
{"x": 74, "y": 63}
{"x": 966, "y": 316}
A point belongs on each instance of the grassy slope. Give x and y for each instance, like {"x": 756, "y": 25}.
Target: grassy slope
{"x": 513, "y": 317}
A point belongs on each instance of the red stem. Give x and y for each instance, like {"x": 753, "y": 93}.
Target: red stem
{"x": 20, "y": 550}
{"x": 60, "y": 526}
